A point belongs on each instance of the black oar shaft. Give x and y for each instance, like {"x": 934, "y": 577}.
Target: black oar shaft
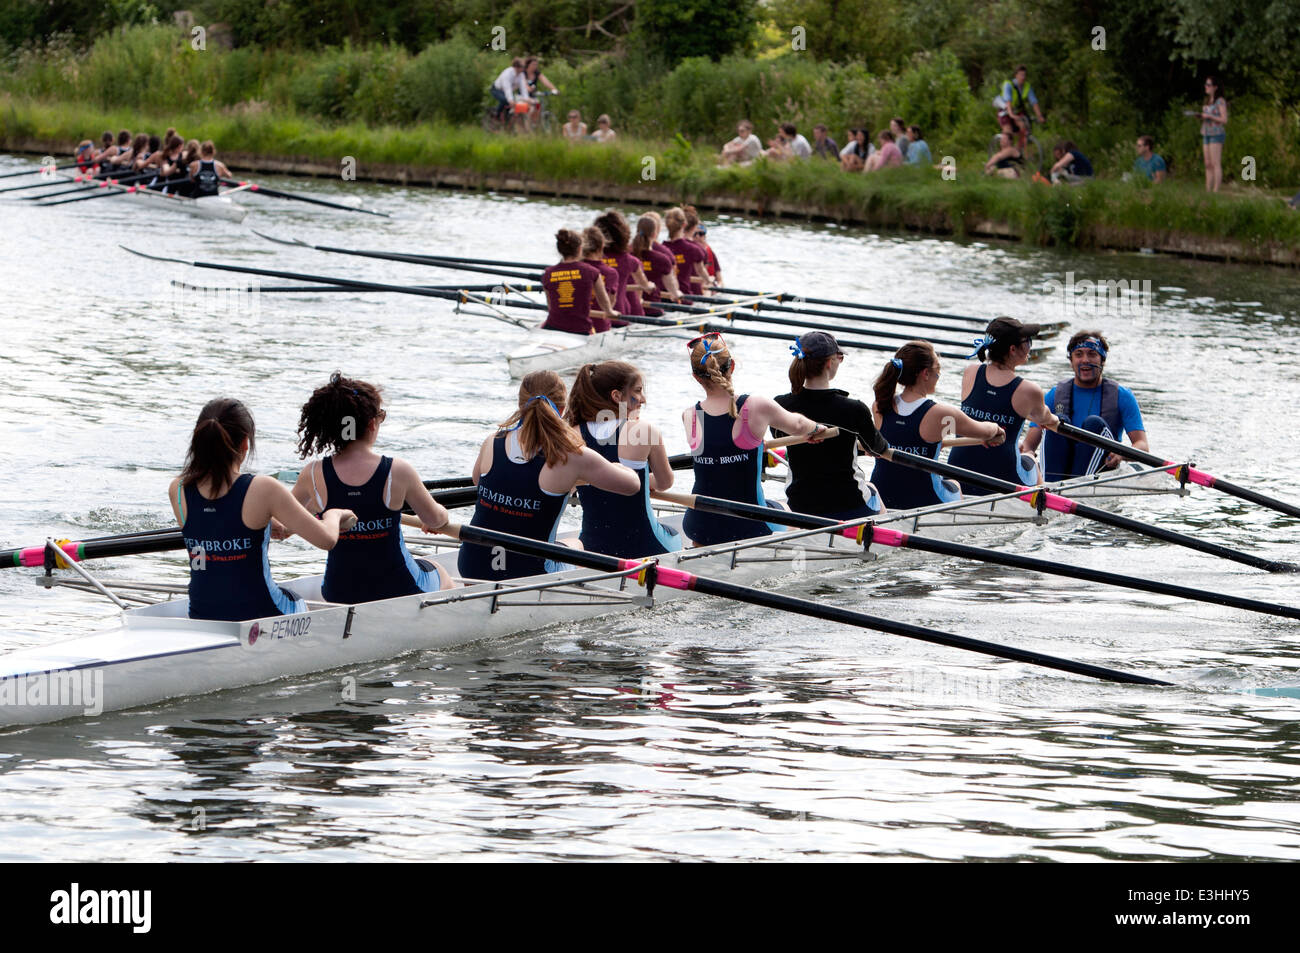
{"x": 39, "y": 169}
{"x": 294, "y": 197}
{"x": 861, "y": 306}
{"x": 1190, "y": 473}
{"x": 678, "y": 579}
{"x": 1062, "y": 504}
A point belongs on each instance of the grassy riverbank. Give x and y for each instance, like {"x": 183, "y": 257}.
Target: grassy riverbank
{"x": 1102, "y": 214}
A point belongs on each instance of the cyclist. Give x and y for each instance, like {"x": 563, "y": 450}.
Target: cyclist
{"x": 1016, "y": 98}
{"x": 510, "y": 87}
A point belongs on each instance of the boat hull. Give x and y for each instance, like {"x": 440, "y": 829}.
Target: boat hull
{"x": 560, "y": 351}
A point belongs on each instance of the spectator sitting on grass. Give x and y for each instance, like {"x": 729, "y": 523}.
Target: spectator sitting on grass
{"x": 854, "y": 156}
{"x": 1071, "y": 165}
{"x": 799, "y": 146}
{"x": 604, "y": 132}
{"x": 778, "y": 147}
{"x": 744, "y": 149}
{"x": 918, "y": 152}
{"x": 886, "y": 156}
{"x": 1008, "y": 160}
{"x": 899, "y": 129}
{"x": 823, "y": 146}
{"x": 575, "y": 128}
{"x": 1148, "y": 163}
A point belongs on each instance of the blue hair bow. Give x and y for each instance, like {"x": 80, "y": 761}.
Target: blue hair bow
{"x": 980, "y": 344}
{"x": 707, "y": 351}
{"x": 897, "y": 362}
{"x": 796, "y": 350}
{"x": 529, "y": 401}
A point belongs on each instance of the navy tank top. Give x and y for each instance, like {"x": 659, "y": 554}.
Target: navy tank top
{"x": 206, "y": 181}
{"x": 511, "y": 501}
{"x": 230, "y": 577}
{"x": 986, "y": 402}
{"x": 903, "y": 488}
{"x": 618, "y": 525}
{"x": 726, "y": 471}
{"x": 370, "y": 561}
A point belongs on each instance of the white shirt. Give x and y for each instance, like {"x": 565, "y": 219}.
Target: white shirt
{"x": 752, "y": 147}
{"x": 513, "y": 83}
{"x": 799, "y": 146}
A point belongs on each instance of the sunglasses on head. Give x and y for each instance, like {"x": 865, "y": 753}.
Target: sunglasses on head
{"x": 690, "y": 345}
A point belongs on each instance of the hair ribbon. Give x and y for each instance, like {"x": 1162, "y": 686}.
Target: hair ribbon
{"x": 897, "y": 362}
{"x": 529, "y": 401}
{"x": 980, "y": 344}
{"x": 796, "y": 350}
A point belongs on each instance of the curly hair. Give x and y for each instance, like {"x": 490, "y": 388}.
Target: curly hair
{"x": 336, "y": 414}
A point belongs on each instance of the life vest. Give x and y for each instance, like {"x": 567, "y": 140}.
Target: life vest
{"x": 1064, "y": 458}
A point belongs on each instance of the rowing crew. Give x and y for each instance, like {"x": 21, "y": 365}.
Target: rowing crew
{"x": 606, "y": 271}
{"x": 168, "y": 164}
{"x": 593, "y": 438}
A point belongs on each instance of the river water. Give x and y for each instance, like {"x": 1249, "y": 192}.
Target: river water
{"x": 698, "y": 730}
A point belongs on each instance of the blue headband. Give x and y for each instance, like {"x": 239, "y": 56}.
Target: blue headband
{"x": 796, "y": 350}
{"x": 529, "y": 401}
{"x": 980, "y": 344}
{"x": 1091, "y": 345}
{"x": 897, "y": 362}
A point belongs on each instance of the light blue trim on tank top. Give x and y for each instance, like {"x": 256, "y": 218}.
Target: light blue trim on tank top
{"x": 669, "y": 541}
{"x": 427, "y": 580}
{"x": 551, "y": 564}
{"x": 283, "y": 602}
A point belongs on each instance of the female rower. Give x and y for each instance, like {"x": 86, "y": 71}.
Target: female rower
{"x": 823, "y": 478}
{"x": 593, "y": 254}
{"x": 525, "y": 473}
{"x": 179, "y": 182}
{"x": 724, "y": 432}
{"x": 370, "y": 561}
{"x": 657, "y": 263}
{"x": 225, "y": 518}
{"x": 124, "y": 161}
{"x": 703, "y": 278}
{"x": 207, "y": 172}
{"x": 108, "y": 158}
{"x": 605, "y": 403}
{"x": 146, "y": 159}
{"x": 995, "y": 392}
{"x": 169, "y": 166}
{"x": 569, "y": 288}
{"x": 914, "y": 423}
{"x": 632, "y": 282}
{"x": 688, "y": 256}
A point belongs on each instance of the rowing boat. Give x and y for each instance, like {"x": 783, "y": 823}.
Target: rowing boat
{"x": 156, "y": 652}
{"x": 210, "y": 206}
{"x": 561, "y": 351}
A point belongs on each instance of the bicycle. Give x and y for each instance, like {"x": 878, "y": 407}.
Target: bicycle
{"x": 537, "y": 116}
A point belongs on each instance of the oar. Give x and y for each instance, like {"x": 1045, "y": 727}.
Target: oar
{"x": 1040, "y": 498}
{"x": 702, "y": 327}
{"x": 47, "y": 183}
{"x": 39, "y": 169}
{"x": 89, "y": 183}
{"x": 277, "y": 194}
{"x": 866, "y": 532}
{"x": 314, "y": 289}
{"x": 159, "y": 540}
{"x": 651, "y": 574}
{"x": 109, "y": 187}
{"x": 862, "y": 306}
{"x": 1185, "y": 472}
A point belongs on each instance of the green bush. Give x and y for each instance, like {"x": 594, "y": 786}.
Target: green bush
{"x": 446, "y": 82}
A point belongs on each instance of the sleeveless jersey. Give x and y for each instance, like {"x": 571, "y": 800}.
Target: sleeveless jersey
{"x": 724, "y": 470}
{"x": 620, "y": 525}
{"x": 230, "y": 577}
{"x": 986, "y": 402}
{"x": 510, "y": 501}
{"x": 206, "y": 180}
{"x": 370, "y": 561}
{"x": 903, "y": 488}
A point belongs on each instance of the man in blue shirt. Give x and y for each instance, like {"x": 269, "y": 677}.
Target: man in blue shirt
{"x": 1092, "y": 402}
{"x": 1148, "y": 163}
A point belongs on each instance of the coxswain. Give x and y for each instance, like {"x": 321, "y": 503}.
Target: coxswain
{"x": 371, "y": 561}
{"x": 84, "y": 155}
{"x": 914, "y": 423}
{"x": 994, "y": 392}
{"x": 207, "y": 172}
{"x": 1090, "y": 401}
{"x": 688, "y": 257}
{"x": 824, "y": 478}
{"x": 569, "y": 287}
{"x": 593, "y": 254}
{"x": 725, "y": 436}
{"x": 657, "y": 264}
{"x": 226, "y": 519}
{"x": 605, "y": 405}
{"x": 525, "y": 473}
{"x": 632, "y": 283}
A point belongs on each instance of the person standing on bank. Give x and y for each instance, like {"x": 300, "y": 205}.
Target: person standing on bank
{"x": 1090, "y": 401}
{"x": 824, "y": 479}
{"x": 996, "y": 393}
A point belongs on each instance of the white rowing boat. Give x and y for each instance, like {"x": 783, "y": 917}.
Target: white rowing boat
{"x": 561, "y": 351}
{"x": 211, "y": 206}
{"x": 156, "y": 652}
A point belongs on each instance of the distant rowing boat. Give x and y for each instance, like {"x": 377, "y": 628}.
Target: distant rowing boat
{"x": 157, "y": 652}
{"x": 211, "y": 206}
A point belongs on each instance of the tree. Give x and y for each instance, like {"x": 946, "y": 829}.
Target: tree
{"x": 676, "y": 29}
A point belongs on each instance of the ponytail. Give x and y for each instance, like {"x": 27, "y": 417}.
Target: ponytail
{"x": 337, "y": 414}
{"x": 223, "y": 426}
{"x": 590, "y": 397}
{"x": 541, "y": 427}
{"x": 713, "y": 364}
{"x": 802, "y": 368}
{"x": 648, "y": 227}
{"x": 903, "y": 368}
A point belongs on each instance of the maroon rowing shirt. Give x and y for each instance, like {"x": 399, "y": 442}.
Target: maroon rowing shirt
{"x": 655, "y": 264}
{"x": 568, "y": 287}
{"x": 686, "y": 254}
{"x": 599, "y": 321}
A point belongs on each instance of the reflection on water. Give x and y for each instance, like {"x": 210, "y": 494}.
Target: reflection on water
{"x": 698, "y": 730}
